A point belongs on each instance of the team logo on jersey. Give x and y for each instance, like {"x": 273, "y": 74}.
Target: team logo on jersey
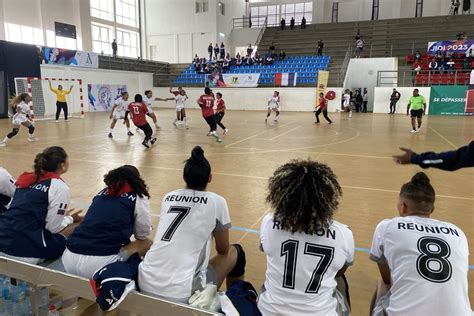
{"x": 62, "y": 209}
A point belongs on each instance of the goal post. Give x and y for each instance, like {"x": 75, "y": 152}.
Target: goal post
{"x": 43, "y": 105}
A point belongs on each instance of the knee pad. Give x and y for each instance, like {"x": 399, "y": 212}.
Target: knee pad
{"x": 31, "y": 129}
{"x": 239, "y": 268}
{"x": 14, "y": 132}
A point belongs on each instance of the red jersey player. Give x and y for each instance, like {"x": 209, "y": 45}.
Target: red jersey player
{"x": 138, "y": 111}
{"x": 220, "y": 111}
{"x": 322, "y": 107}
{"x": 206, "y": 102}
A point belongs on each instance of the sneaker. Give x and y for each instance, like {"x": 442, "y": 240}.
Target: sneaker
{"x": 153, "y": 141}
{"x": 110, "y": 135}
{"x": 32, "y": 139}
{"x": 413, "y": 131}
{"x": 129, "y": 133}
{"x": 57, "y": 121}
{"x": 145, "y": 143}
{"x": 174, "y": 123}
{"x": 2, "y": 144}
{"x": 226, "y": 131}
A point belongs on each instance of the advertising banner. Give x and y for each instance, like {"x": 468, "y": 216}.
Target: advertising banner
{"x": 232, "y": 80}
{"x": 456, "y": 46}
{"x": 102, "y": 96}
{"x": 68, "y": 57}
{"x": 323, "y": 78}
{"x": 448, "y": 100}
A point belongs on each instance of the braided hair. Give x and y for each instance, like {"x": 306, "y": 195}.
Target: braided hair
{"x": 420, "y": 191}
{"x": 197, "y": 170}
{"x": 304, "y": 195}
{"x": 49, "y": 160}
{"x": 117, "y": 178}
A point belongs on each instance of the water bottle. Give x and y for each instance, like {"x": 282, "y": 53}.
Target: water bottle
{"x": 7, "y": 300}
{"x": 16, "y": 309}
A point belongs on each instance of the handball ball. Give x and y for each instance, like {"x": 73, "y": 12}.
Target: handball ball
{"x": 331, "y": 95}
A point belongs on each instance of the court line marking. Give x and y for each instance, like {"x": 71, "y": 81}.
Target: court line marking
{"x": 289, "y": 131}
{"x": 250, "y": 137}
{"x": 443, "y": 138}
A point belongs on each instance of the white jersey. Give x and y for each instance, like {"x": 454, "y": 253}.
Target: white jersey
{"x": 7, "y": 184}
{"x": 274, "y": 102}
{"x": 180, "y": 102}
{"x": 148, "y": 102}
{"x": 428, "y": 261}
{"x": 347, "y": 99}
{"x": 121, "y": 104}
{"x": 20, "y": 117}
{"x": 176, "y": 264}
{"x": 293, "y": 263}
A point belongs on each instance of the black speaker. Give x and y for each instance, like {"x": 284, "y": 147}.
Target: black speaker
{"x": 65, "y": 30}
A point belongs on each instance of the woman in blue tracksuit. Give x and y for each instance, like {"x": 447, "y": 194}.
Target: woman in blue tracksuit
{"x": 116, "y": 213}
{"x": 36, "y": 225}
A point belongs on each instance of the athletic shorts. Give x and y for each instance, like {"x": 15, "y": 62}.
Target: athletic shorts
{"x": 118, "y": 115}
{"x": 179, "y": 108}
{"x": 150, "y": 109}
{"x": 381, "y": 305}
{"x": 416, "y": 113}
{"x": 273, "y": 107}
{"x": 85, "y": 266}
{"x": 19, "y": 118}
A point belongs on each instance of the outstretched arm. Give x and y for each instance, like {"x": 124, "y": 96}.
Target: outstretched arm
{"x": 50, "y": 86}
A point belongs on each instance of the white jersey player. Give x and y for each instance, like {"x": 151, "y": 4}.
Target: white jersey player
{"x": 180, "y": 108}
{"x": 347, "y": 102}
{"x": 423, "y": 262}
{"x": 274, "y": 106}
{"x": 20, "y": 103}
{"x": 118, "y": 113}
{"x": 148, "y": 99}
{"x": 7, "y": 189}
{"x": 179, "y": 261}
{"x": 307, "y": 251}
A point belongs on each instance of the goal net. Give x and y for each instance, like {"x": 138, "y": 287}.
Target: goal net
{"x": 43, "y": 105}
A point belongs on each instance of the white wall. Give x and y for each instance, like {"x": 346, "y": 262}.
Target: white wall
{"x": 292, "y": 99}
{"x": 243, "y": 37}
{"x": 362, "y": 73}
{"x": 382, "y": 98}
{"x": 136, "y": 83}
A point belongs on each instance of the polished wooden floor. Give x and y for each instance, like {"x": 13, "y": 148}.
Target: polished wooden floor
{"x": 358, "y": 150}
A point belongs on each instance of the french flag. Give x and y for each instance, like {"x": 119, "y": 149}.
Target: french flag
{"x": 285, "y": 79}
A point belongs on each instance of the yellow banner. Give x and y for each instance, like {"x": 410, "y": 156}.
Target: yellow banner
{"x": 323, "y": 78}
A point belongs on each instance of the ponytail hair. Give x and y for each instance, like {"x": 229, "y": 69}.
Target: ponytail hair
{"x": 49, "y": 161}
{"x": 197, "y": 170}
{"x": 116, "y": 179}
{"x": 17, "y": 99}
{"x": 420, "y": 191}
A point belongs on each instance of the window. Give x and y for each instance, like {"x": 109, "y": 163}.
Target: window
{"x": 24, "y": 34}
{"x": 102, "y": 37}
{"x": 202, "y": 6}
{"x": 127, "y": 43}
{"x": 102, "y": 9}
{"x": 273, "y": 13}
{"x": 126, "y": 12}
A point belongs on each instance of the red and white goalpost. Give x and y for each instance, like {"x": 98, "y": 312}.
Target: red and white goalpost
{"x": 43, "y": 105}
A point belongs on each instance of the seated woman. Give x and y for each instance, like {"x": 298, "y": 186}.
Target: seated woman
{"x": 36, "y": 225}
{"x": 423, "y": 262}
{"x": 238, "y": 61}
{"x": 450, "y": 65}
{"x": 7, "y": 189}
{"x": 178, "y": 263}
{"x": 116, "y": 212}
{"x": 307, "y": 251}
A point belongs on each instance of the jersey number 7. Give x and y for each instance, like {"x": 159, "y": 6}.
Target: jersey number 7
{"x": 182, "y": 213}
{"x": 289, "y": 249}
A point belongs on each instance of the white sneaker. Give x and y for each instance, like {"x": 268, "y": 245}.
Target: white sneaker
{"x": 57, "y": 121}
{"x": 413, "y": 131}
{"x": 226, "y": 131}
{"x": 32, "y": 139}
{"x": 3, "y": 144}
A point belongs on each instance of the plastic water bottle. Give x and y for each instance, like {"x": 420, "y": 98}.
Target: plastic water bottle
{"x": 7, "y": 300}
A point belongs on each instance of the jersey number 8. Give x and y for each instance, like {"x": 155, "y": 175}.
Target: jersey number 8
{"x": 433, "y": 264}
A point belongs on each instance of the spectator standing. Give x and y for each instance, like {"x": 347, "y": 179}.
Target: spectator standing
{"x": 272, "y": 49}
{"x": 249, "y": 51}
{"x": 292, "y": 23}
{"x": 282, "y": 24}
{"x": 216, "y": 51}
{"x": 303, "y": 23}
{"x": 433, "y": 65}
{"x": 393, "y": 101}
{"x": 320, "y": 47}
{"x": 359, "y": 47}
{"x": 209, "y": 51}
{"x": 222, "y": 51}
{"x": 114, "y": 48}
{"x": 359, "y": 100}
{"x": 365, "y": 97}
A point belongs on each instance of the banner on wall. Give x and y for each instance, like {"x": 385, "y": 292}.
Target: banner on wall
{"x": 449, "y": 100}
{"x": 456, "y": 46}
{"x": 286, "y": 79}
{"x": 68, "y": 57}
{"x": 232, "y": 80}
{"x": 103, "y": 96}
{"x": 323, "y": 78}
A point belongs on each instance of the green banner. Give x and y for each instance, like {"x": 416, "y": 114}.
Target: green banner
{"x": 448, "y": 100}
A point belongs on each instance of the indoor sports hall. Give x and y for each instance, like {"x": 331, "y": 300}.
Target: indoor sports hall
{"x": 343, "y": 83}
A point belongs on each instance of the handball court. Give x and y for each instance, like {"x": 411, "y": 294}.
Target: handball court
{"x": 358, "y": 150}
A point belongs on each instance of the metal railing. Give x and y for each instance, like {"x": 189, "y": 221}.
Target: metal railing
{"x": 260, "y": 34}
{"x": 400, "y": 78}
{"x": 262, "y": 20}
{"x": 345, "y": 63}
{"x": 388, "y": 50}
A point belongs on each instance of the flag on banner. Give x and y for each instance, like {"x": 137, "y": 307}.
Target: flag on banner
{"x": 286, "y": 79}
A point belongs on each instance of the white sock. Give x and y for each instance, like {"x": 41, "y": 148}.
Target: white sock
{"x": 111, "y": 130}
{"x": 6, "y": 139}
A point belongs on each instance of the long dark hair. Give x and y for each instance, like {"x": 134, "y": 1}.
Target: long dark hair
{"x": 197, "y": 170}
{"x": 304, "y": 195}
{"x": 116, "y": 179}
{"x": 420, "y": 191}
{"x": 49, "y": 160}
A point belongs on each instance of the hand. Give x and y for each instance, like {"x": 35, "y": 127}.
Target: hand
{"x": 75, "y": 215}
{"x": 405, "y": 158}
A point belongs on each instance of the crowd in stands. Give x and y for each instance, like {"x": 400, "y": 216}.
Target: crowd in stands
{"x": 304, "y": 195}
{"x": 221, "y": 61}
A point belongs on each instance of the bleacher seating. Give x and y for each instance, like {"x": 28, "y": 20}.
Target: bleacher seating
{"x": 306, "y": 66}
